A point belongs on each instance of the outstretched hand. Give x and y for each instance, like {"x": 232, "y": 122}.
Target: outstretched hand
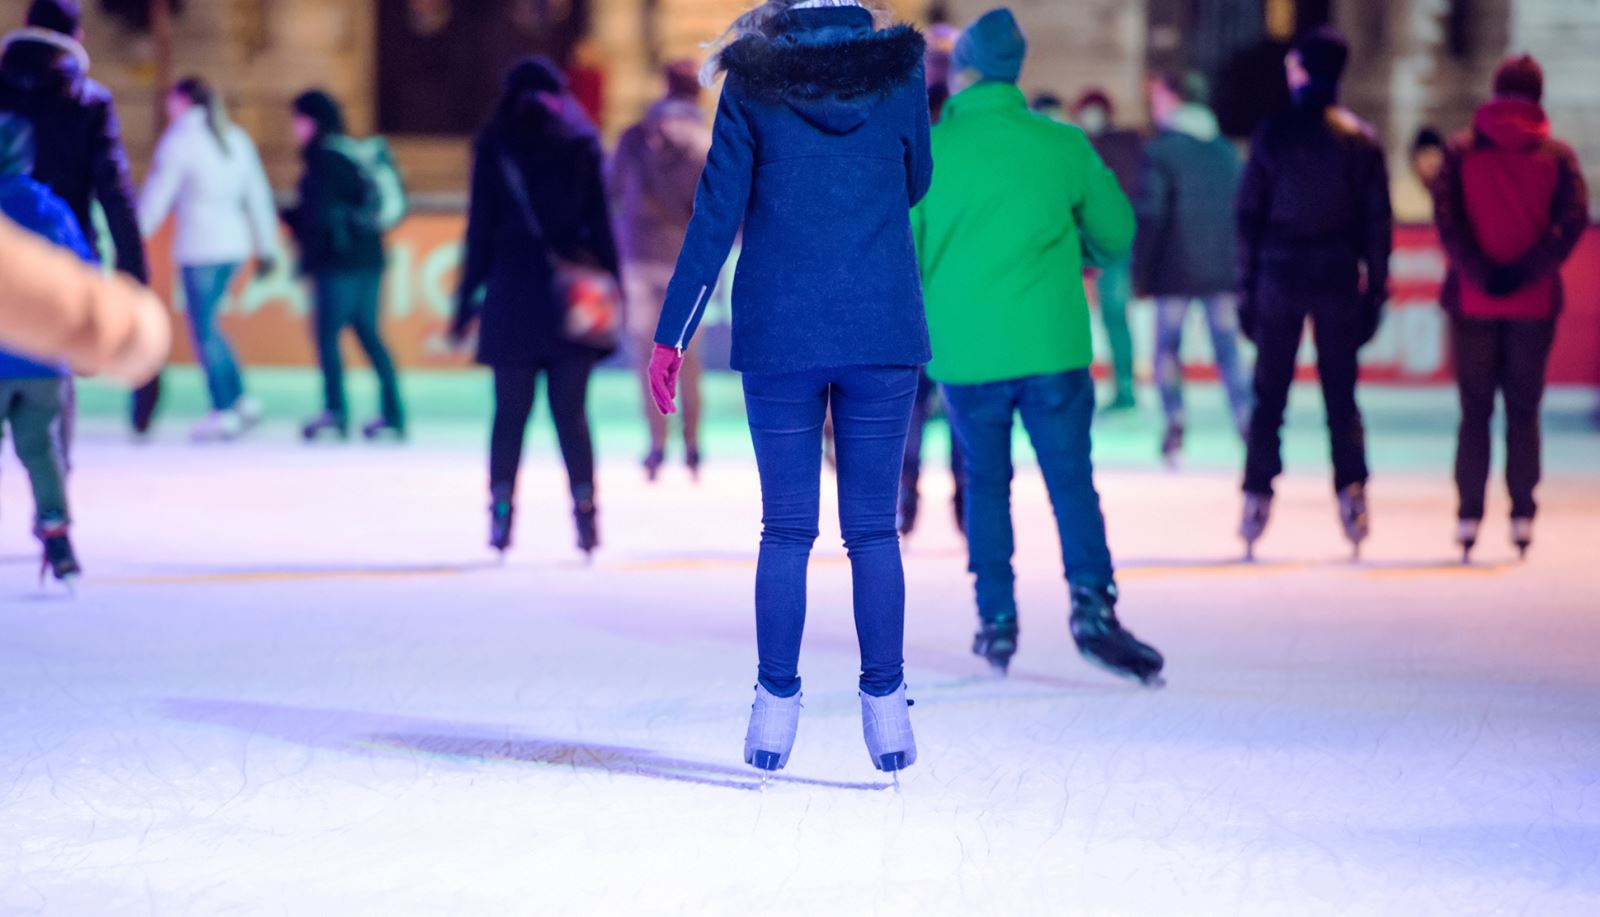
{"x": 665, "y": 363}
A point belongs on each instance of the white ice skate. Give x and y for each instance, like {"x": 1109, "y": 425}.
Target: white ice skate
{"x": 773, "y": 723}
{"x": 886, "y": 724}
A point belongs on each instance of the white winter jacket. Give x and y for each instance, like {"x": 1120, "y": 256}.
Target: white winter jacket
{"x": 225, "y": 210}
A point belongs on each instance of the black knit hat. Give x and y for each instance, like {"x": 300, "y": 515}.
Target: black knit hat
{"x": 1521, "y": 77}
{"x": 534, "y": 73}
{"x": 1323, "y": 52}
{"x": 62, "y": 16}
{"x": 322, "y": 109}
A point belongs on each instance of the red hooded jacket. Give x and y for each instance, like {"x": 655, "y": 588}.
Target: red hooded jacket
{"x": 1511, "y": 205}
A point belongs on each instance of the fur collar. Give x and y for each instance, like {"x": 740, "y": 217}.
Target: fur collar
{"x": 873, "y": 64}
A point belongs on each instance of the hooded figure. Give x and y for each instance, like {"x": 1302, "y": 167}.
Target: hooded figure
{"x": 820, "y": 149}
{"x": 1511, "y": 205}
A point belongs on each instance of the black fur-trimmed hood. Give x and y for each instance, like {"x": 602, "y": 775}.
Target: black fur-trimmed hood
{"x": 866, "y": 65}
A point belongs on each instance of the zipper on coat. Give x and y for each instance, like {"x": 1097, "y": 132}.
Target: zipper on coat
{"x": 683, "y": 336}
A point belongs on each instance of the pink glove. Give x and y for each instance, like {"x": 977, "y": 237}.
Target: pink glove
{"x": 665, "y": 362}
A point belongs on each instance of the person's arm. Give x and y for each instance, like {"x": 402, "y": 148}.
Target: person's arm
{"x": 482, "y": 215}
{"x": 1104, "y": 215}
{"x": 161, "y": 186}
{"x": 1460, "y": 243}
{"x": 919, "y": 142}
{"x": 260, "y": 208}
{"x": 1153, "y": 211}
{"x": 114, "y": 189}
{"x": 718, "y": 213}
{"x": 1569, "y": 218}
{"x": 1378, "y": 236}
{"x": 1251, "y": 211}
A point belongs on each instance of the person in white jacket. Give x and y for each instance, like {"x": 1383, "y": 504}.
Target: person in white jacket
{"x": 208, "y": 172}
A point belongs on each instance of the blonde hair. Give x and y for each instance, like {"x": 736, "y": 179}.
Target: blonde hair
{"x": 762, "y": 21}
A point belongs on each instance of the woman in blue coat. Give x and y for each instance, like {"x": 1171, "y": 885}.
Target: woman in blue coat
{"x": 821, "y": 149}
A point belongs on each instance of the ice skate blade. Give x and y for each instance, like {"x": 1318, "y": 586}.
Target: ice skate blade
{"x": 1000, "y": 669}
{"x": 1152, "y": 680}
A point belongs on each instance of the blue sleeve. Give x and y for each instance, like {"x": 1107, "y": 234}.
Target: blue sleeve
{"x": 65, "y": 231}
{"x": 719, "y": 209}
{"x": 919, "y": 144}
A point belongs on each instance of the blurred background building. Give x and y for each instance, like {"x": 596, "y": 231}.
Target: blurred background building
{"x": 426, "y": 71}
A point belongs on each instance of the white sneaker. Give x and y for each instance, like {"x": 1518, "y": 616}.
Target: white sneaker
{"x": 218, "y": 426}
{"x": 249, "y": 410}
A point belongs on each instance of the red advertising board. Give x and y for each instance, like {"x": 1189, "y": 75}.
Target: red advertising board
{"x": 268, "y": 318}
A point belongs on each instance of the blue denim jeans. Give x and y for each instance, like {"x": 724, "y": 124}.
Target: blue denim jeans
{"x": 204, "y": 286}
{"x": 1056, "y": 410}
{"x": 1222, "y": 318}
{"x": 871, "y": 414}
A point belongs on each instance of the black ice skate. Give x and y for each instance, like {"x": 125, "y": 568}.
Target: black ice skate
{"x": 1353, "y": 515}
{"x": 1522, "y": 536}
{"x": 910, "y": 504}
{"x": 691, "y": 461}
{"x": 382, "y": 427}
{"x": 586, "y": 516}
{"x": 59, "y": 560}
{"x": 1257, "y": 512}
{"x": 325, "y": 423}
{"x": 997, "y": 642}
{"x": 1467, "y": 537}
{"x": 501, "y": 514}
{"x": 1172, "y": 445}
{"x": 652, "y": 464}
{"x": 1102, "y": 640}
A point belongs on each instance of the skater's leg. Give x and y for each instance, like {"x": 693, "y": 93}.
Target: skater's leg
{"x": 567, "y": 381}
{"x": 1115, "y": 287}
{"x": 35, "y": 416}
{"x": 332, "y": 312}
{"x": 1476, "y": 346}
{"x": 514, "y": 388}
{"x": 1526, "y": 357}
{"x": 654, "y": 420}
{"x": 1057, "y": 411}
{"x": 205, "y": 287}
{"x": 1170, "y": 314}
{"x": 871, "y": 414}
{"x": 1222, "y": 318}
{"x": 982, "y": 418}
{"x": 1278, "y": 344}
{"x": 366, "y": 290}
{"x": 786, "y": 412}
{"x": 644, "y": 297}
{"x": 1338, "y": 345}
{"x": 690, "y": 397}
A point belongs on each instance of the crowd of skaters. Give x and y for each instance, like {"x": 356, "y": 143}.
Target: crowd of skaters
{"x": 963, "y": 225}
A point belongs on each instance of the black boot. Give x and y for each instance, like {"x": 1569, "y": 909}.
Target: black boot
{"x": 586, "y": 515}
{"x": 652, "y": 464}
{"x": 326, "y": 422}
{"x": 997, "y": 642}
{"x": 59, "y": 560}
{"x": 910, "y": 501}
{"x": 384, "y": 426}
{"x": 501, "y": 513}
{"x": 1102, "y": 640}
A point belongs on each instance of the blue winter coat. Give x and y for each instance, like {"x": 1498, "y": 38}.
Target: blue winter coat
{"x": 820, "y": 149}
{"x": 30, "y": 205}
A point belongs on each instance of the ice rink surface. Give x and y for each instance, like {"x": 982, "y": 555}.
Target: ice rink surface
{"x": 293, "y": 682}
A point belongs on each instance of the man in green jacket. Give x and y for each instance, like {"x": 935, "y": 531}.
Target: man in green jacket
{"x": 1017, "y": 202}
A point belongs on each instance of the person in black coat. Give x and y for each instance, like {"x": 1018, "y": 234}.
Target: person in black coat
{"x": 341, "y": 250}
{"x": 80, "y": 157}
{"x": 1314, "y": 219}
{"x": 1184, "y": 250}
{"x": 540, "y": 149}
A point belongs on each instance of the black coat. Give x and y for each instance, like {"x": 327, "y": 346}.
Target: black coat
{"x": 520, "y": 319}
{"x": 78, "y": 141}
{"x": 1313, "y": 213}
{"x": 1186, "y": 240}
{"x": 332, "y": 221}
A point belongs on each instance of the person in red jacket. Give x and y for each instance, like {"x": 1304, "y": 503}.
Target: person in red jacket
{"x": 1511, "y": 205}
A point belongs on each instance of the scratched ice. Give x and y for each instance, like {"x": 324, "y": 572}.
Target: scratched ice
{"x": 292, "y": 684}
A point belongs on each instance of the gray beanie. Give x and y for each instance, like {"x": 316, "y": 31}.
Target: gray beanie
{"x": 994, "y": 46}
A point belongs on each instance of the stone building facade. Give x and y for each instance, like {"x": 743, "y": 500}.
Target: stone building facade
{"x": 1416, "y": 61}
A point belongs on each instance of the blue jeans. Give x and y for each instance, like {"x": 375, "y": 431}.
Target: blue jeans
{"x": 204, "y": 287}
{"x": 871, "y": 414}
{"x": 1056, "y": 411}
{"x": 1222, "y": 317}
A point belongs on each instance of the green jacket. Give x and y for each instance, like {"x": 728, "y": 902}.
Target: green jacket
{"x": 1017, "y": 199}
